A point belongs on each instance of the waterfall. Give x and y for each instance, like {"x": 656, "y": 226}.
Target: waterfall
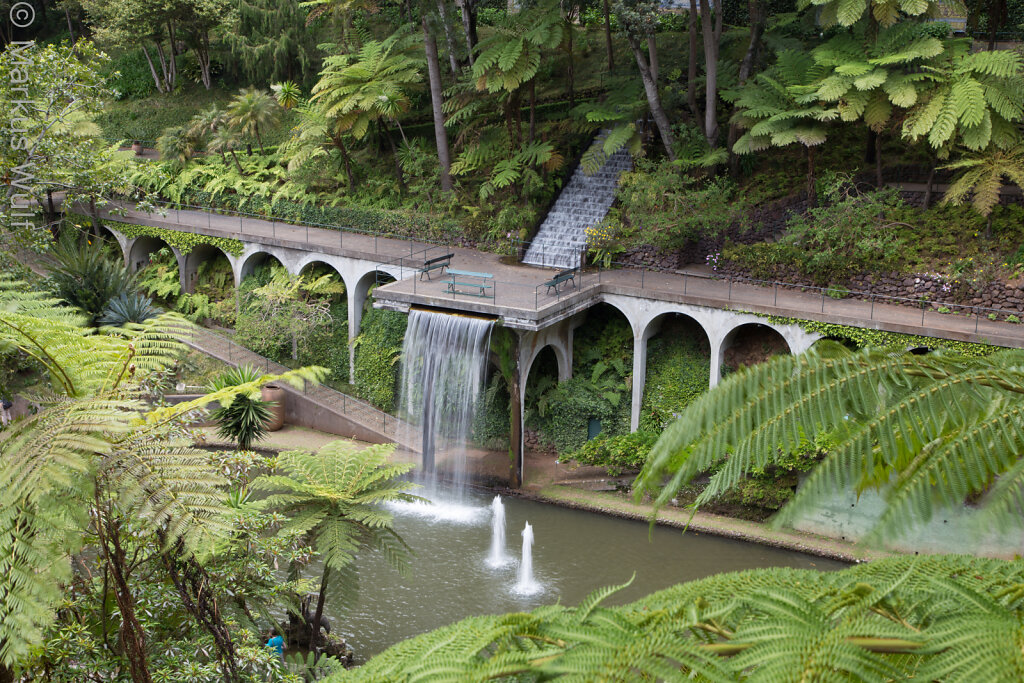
{"x": 444, "y": 361}
{"x": 583, "y": 203}
{"x": 525, "y": 583}
{"x": 497, "y": 556}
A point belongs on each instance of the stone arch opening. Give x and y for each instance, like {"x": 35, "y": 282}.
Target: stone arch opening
{"x": 142, "y": 249}
{"x": 208, "y": 271}
{"x": 750, "y": 344}
{"x": 677, "y": 368}
{"x": 920, "y": 350}
{"x": 255, "y": 264}
{"x": 541, "y": 377}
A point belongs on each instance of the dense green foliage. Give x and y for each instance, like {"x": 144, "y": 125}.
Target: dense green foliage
{"x": 678, "y": 371}
{"x": 83, "y": 275}
{"x": 617, "y": 454}
{"x": 378, "y": 348}
{"x": 951, "y": 618}
{"x": 602, "y": 362}
{"x": 930, "y": 430}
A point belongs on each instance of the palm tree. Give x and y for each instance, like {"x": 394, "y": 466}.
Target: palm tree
{"x": 982, "y": 179}
{"x": 177, "y": 146}
{"x": 335, "y": 496}
{"x": 288, "y": 94}
{"x": 207, "y": 122}
{"x": 927, "y": 431}
{"x": 251, "y": 110}
{"x": 225, "y": 140}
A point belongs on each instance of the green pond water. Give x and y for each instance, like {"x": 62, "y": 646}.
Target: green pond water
{"x": 574, "y": 553}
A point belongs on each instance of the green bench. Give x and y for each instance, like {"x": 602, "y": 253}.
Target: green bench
{"x": 562, "y": 277}
{"x": 436, "y": 263}
{"x": 459, "y": 279}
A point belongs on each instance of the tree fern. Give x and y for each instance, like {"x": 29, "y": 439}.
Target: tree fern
{"x": 929, "y": 618}
{"x": 926, "y": 431}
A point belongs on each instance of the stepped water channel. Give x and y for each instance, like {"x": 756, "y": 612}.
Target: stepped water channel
{"x": 583, "y": 203}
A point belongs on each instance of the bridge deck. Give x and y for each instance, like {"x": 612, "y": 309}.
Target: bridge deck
{"x": 521, "y": 300}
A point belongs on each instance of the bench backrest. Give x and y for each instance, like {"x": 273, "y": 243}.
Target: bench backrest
{"x": 446, "y": 257}
{"x": 565, "y": 273}
{"x": 468, "y": 273}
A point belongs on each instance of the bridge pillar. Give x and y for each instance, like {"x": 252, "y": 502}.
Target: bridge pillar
{"x": 717, "y": 344}
{"x": 356, "y": 300}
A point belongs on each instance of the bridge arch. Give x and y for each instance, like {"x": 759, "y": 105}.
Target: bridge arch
{"x": 193, "y": 260}
{"x": 684, "y": 329}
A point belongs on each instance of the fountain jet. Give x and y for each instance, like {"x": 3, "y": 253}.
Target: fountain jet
{"x": 525, "y": 583}
{"x": 497, "y": 556}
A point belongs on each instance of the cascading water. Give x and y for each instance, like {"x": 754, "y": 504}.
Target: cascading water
{"x": 525, "y": 583}
{"x": 444, "y": 361}
{"x": 497, "y": 557}
{"x": 583, "y": 203}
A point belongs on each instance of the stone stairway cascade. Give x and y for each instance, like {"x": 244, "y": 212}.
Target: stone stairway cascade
{"x": 583, "y": 203}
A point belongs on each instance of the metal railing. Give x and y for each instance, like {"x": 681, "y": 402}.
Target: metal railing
{"x": 280, "y": 228}
{"x": 829, "y": 300}
{"x": 326, "y": 397}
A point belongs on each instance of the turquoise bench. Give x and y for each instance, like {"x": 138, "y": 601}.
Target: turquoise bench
{"x": 459, "y": 279}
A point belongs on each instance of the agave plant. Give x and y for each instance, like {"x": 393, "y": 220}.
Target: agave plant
{"x": 243, "y": 419}
{"x": 128, "y": 308}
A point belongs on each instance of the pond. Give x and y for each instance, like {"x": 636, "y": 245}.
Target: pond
{"x": 574, "y": 553}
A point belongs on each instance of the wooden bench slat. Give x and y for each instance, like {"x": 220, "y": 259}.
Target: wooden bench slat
{"x": 469, "y": 273}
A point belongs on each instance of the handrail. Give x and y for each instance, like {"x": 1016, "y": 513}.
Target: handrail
{"x": 590, "y": 276}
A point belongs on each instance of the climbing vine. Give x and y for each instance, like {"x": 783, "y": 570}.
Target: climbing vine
{"x": 862, "y": 337}
{"x": 183, "y": 241}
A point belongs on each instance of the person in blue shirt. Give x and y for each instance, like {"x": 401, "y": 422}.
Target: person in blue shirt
{"x": 275, "y": 642}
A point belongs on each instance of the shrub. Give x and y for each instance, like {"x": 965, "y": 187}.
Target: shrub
{"x": 85, "y": 276}
{"x": 617, "y": 454}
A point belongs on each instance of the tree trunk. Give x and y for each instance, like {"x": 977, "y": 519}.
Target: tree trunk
{"x": 237, "y": 162}
{"x": 71, "y": 30}
{"x": 931, "y": 182}
{"x": 469, "y": 27}
{"x": 203, "y": 58}
{"x": 402, "y": 189}
{"x": 812, "y": 186}
{"x": 468, "y": 8}
{"x": 436, "y": 101}
{"x": 712, "y": 32}
{"x": 571, "y": 71}
{"x": 449, "y": 37}
{"x": 193, "y": 586}
{"x": 757, "y": 22}
{"x": 608, "y": 36}
{"x": 340, "y": 144}
{"x": 314, "y": 628}
{"x": 173, "y": 61}
{"x": 133, "y": 637}
{"x": 652, "y": 53}
{"x": 152, "y": 70}
{"x": 653, "y": 99}
{"x": 879, "y": 181}
{"x": 691, "y": 66}
{"x": 533, "y": 110}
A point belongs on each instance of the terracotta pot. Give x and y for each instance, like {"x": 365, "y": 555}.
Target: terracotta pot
{"x": 137, "y": 148}
{"x": 275, "y": 395}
